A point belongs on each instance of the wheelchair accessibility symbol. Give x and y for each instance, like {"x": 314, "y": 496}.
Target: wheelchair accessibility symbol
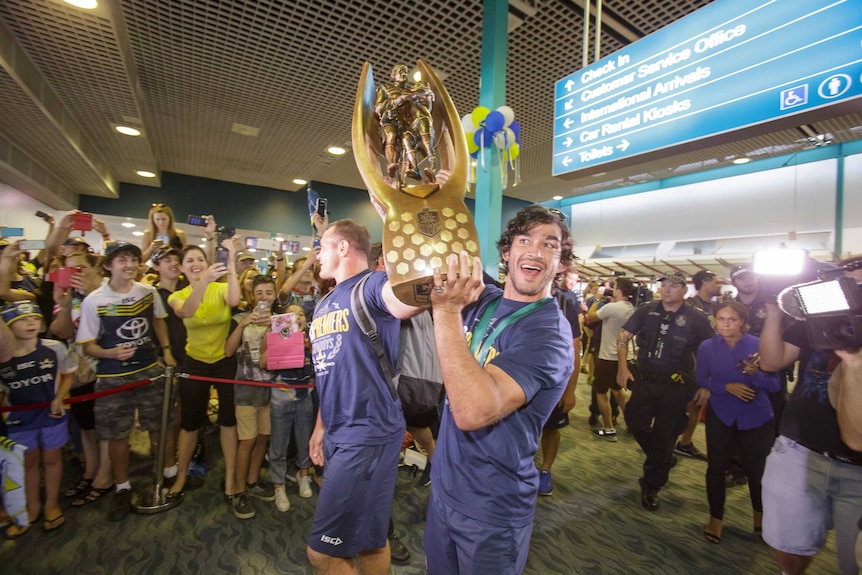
{"x": 794, "y": 97}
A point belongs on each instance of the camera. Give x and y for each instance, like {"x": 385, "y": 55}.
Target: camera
{"x": 820, "y": 295}
{"x": 831, "y": 308}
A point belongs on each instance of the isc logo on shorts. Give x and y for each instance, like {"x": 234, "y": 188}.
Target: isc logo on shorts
{"x": 331, "y": 540}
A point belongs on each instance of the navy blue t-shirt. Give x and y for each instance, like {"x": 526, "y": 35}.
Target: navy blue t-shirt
{"x": 489, "y": 474}
{"x": 356, "y": 405}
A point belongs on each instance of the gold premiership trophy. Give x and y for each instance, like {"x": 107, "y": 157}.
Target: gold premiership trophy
{"x": 411, "y": 152}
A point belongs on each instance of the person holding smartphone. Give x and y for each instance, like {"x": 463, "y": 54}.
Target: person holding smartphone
{"x": 162, "y": 232}
{"x": 205, "y": 307}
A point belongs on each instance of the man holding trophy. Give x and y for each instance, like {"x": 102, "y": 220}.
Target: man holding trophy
{"x": 502, "y": 381}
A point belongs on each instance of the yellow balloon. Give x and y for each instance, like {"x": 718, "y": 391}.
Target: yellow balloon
{"x": 479, "y": 114}
{"x": 515, "y": 150}
{"x": 471, "y": 144}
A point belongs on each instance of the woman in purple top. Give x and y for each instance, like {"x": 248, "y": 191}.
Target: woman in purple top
{"x": 738, "y": 413}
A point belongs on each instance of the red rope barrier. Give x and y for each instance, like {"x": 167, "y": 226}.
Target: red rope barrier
{"x": 245, "y": 382}
{"x": 78, "y": 399}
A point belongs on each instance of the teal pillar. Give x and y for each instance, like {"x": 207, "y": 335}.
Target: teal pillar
{"x": 492, "y": 94}
{"x": 839, "y": 208}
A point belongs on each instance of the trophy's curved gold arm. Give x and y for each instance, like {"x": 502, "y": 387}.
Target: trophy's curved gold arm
{"x": 425, "y": 222}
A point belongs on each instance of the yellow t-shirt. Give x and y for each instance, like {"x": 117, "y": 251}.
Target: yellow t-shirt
{"x": 208, "y": 329}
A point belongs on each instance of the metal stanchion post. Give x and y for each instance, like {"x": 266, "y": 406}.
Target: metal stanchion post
{"x": 151, "y": 499}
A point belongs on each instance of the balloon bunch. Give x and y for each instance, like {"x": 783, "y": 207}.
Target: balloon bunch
{"x": 484, "y": 127}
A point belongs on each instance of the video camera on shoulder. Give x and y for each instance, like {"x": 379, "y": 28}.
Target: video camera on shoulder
{"x": 820, "y": 295}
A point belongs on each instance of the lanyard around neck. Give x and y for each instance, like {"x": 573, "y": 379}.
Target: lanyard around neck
{"x": 480, "y": 343}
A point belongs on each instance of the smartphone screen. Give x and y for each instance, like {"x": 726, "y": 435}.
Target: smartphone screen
{"x": 251, "y": 243}
{"x": 222, "y": 255}
{"x": 12, "y": 232}
{"x": 33, "y": 245}
{"x": 197, "y": 221}
{"x": 321, "y": 207}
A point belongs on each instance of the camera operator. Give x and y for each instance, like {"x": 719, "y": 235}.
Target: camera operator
{"x": 813, "y": 480}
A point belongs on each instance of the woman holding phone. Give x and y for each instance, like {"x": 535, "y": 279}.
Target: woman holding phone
{"x": 162, "y": 232}
{"x": 205, "y": 307}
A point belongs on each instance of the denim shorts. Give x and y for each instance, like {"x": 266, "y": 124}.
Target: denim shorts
{"x": 805, "y": 494}
{"x": 51, "y": 437}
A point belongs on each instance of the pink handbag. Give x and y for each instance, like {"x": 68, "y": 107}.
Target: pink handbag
{"x": 285, "y": 352}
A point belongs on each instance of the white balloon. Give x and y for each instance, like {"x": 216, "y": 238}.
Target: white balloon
{"x": 504, "y": 138}
{"x": 508, "y": 114}
{"x": 467, "y": 123}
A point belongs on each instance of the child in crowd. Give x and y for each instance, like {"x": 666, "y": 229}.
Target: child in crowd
{"x": 292, "y": 412}
{"x": 252, "y": 402}
{"x": 39, "y": 370}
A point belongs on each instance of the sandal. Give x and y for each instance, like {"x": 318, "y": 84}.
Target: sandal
{"x": 712, "y": 538}
{"x": 94, "y": 495}
{"x": 80, "y": 488}
{"x": 16, "y": 531}
{"x": 55, "y": 523}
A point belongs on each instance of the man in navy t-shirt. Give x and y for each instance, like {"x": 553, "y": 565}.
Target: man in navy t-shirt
{"x": 360, "y": 425}
{"x": 506, "y": 356}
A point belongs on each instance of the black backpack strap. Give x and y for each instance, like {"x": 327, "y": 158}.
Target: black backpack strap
{"x": 369, "y": 327}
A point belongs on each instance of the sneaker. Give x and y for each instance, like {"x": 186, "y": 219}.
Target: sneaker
{"x": 282, "y": 503}
{"x": 606, "y": 433}
{"x": 121, "y": 506}
{"x": 425, "y": 480}
{"x": 546, "y": 484}
{"x": 399, "y": 553}
{"x": 304, "y": 486}
{"x": 689, "y": 451}
{"x": 242, "y": 508}
{"x": 261, "y": 490}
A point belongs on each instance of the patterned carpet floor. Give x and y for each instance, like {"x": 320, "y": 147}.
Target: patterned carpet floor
{"x": 592, "y": 524}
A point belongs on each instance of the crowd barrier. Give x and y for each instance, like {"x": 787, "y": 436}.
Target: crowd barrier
{"x": 152, "y": 498}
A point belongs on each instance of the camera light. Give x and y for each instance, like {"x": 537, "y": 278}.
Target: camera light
{"x": 823, "y": 297}
{"x": 781, "y": 262}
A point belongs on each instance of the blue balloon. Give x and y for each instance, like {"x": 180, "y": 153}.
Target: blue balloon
{"x": 516, "y": 127}
{"x": 479, "y": 134}
{"x": 494, "y": 122}
{"x": 475, "y": 154}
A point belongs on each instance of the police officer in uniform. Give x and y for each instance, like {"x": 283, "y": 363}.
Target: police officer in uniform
{"x": 668, "y": 333}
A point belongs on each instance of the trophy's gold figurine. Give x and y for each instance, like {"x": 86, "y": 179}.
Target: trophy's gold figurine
{"x": 412, "y": 154}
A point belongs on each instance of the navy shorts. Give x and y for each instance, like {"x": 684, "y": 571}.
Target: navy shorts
{"x": 355, "y": 501}
{"x": 558, "y": 419}
{"x": 455, "y": 543}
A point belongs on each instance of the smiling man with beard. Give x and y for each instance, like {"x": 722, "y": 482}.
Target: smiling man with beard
{"x": 507, "y": 356}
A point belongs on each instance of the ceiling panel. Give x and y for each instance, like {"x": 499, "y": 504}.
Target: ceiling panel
{"x": 187, "y": 71}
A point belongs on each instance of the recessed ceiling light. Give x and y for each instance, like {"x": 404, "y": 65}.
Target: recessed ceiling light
{"x": 128, "y": 130}
{"x": 251, "y": 250}
{"x": 300, "y": 181}
{"x": 85, "y": 4}
{"x": 336, "y": 151}
{"x": 599, "y": 174}
{"x": 288, "y": 253}
{"x": 741, "y": 160}
{"x": 306, "y": 249}
{"x": 557, "y": 198}
{"x": 145, "y": 174}
{"x": 128, "y": 225}
{"x": 137, "y": 233}
{"x": 202, "y": 246}
{"x": 278, "y": 239}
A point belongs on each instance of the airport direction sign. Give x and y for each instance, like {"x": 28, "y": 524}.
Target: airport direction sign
{"x": 730, "y": 65}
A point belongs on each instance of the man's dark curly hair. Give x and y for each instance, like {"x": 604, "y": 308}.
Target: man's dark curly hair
{"x": 528, "y": 218}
